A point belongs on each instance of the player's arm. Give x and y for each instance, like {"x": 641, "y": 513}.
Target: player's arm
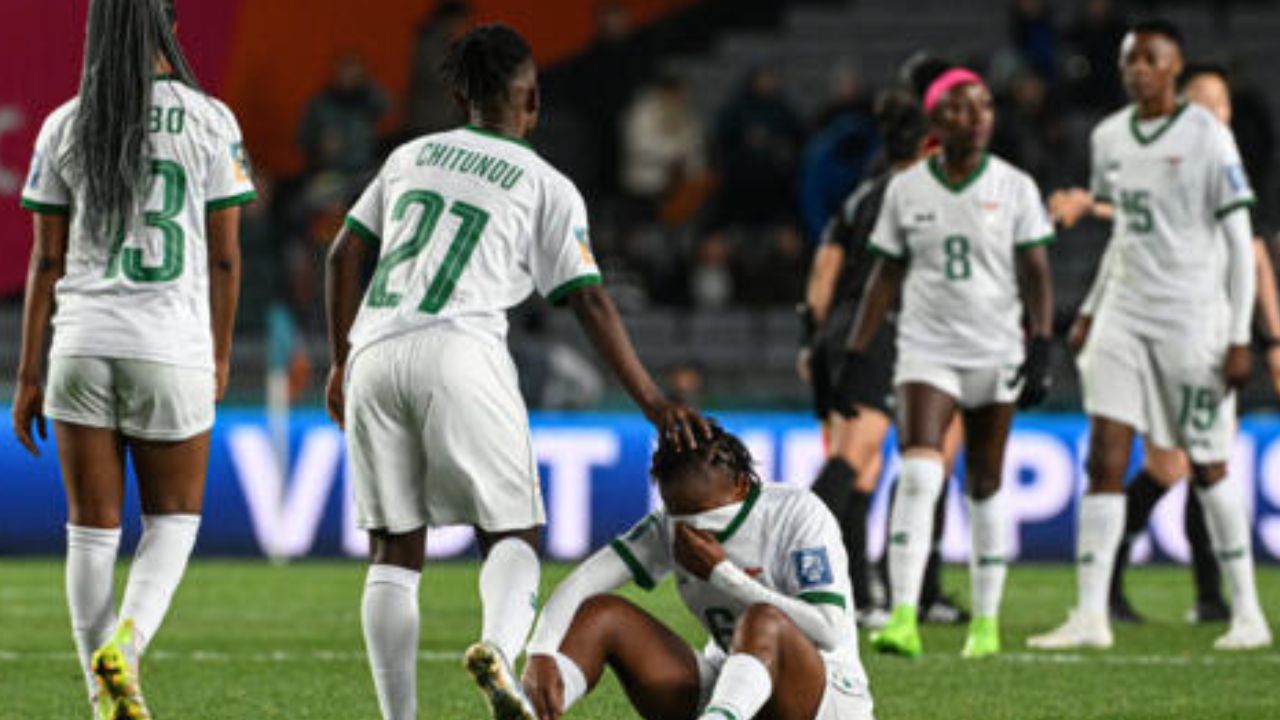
{"x": 223, "y": 230}
{"x": 827, "y": 261}
{"x": 48, "y": 264}
{"x": 342, "y": 293}
{"x": 600, "y": 320}
{"x": 1241, "y": 294}
{"x": 1036, "y": 287}
{"x": 1267, "y": 310}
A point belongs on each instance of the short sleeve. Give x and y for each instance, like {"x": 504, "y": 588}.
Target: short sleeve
{"x": 817, "y": 568}
{"x": 1100, "y": 173}
{"x": 887, "y": 238}
{"x": 561, "y": 259}
{"x": 1229, "y": 187}
{"x": 46, "y": 191}
{"x": 646, "y": 551}
{"x": 1031, "y": 224}
{"x": 366, "y": 217}
{"x": 229, "y": 183}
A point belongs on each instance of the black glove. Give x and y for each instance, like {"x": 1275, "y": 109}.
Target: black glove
{"x": 851, "y": 386}
{"x": 1034, "y": 373}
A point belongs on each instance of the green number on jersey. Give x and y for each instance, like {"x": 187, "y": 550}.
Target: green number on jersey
{"x": 464, "y": 242}
{"x": 171, "y": 121}
{"x": 173, "y": 260}
{"x": 1199, "y": 408}
{"x": 957, "y": 266}
{"x": 721, "y": 623}
{"x": 1136, "y": 205}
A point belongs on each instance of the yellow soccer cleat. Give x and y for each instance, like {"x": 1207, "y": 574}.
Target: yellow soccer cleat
{"x": 983, "y": 640}
{"x": 901, "y": 636}
{"x": 494, "y": 678}
{"x": 116, "y": 667}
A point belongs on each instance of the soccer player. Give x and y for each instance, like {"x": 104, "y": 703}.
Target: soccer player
{"x": 1207, "y": 86}
{"x": 760, "y": 566}
{"x": 954, "y": 234}
{"x": 836, "y": 281}
{"x": 464, "y": 224}
{"x": 136, "y": 185}
{"x": 1167, "y": 345}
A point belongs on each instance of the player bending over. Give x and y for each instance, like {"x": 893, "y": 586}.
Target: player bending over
{"x": 465, "y": 224}
{"x": 955, "y": 233}
{"x": 1168, "y": 343}
{"x": 760, "y": 566}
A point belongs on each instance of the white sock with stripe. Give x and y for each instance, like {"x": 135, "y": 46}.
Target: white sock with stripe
{"x": 1228, "y": 528}
{"x": 743, "y": 687}
{"x": 911, "y": 527}
{"x": 509, "y": 596}
{"x": 987, "y": 556}
{"x": 1100, "y": 528}
{"x": 389, "y": 616}
{"x": 90, "y": 579}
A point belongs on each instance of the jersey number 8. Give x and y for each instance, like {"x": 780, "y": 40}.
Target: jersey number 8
{"x": 957, "y": 250}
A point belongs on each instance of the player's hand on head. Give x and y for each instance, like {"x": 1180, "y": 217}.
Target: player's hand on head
{"x": 1078, "y": 335}
{"x": 543, "y": 686}
{"x": 1034, "y": 373}
{"x": 334, "y": 395}
{"x": 28, "y": 411}
{"x": 679, "y": 424}
{"x": 1237, "y": 365}
{"x": 697, "y": 551}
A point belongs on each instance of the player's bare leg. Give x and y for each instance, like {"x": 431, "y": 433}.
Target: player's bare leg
{"x": 773, "y": 672}
{"x": 926, "y": 414}
{"x": 92, "y": 461}
{"x": 509, "y": 577}
{"x": 987, "y": 429}
{"x": 1099, "y": 528}
{"x": 389, "y": 617}
{"x": 1229, "y": 535}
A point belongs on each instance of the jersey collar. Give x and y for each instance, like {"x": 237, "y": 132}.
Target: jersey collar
{"x": 499, "y": 136}
{"x": 935, "y": 169}
{"x": 1160, "y": 129}
{"x": 752, "y": 496}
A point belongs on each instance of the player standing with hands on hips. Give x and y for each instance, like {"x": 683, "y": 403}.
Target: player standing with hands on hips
{"x": 136, "y": 185}
{"x": 464, "y": 225}
{"x": 963, "y": 235}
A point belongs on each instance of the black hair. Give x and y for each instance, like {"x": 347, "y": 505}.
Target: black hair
{"x": 1160, "y": 26}
{"x": 479, "y": 66}
{"x": 1195, "y": 70}
{"x": 902, "y": 124}
{"x": 722, "y": 448}
{"x": 920, "y": 70}
{"x": 123, "y": 40}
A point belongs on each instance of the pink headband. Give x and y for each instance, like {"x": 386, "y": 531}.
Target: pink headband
{"x": 946, "y": 81}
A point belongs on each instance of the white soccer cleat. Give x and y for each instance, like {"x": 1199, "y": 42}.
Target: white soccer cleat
{"x": 1249, "y": 633}
{"x": 1081, "y": 630}
{"x": 873, "y": 618}
{"x": 493, "y": 676}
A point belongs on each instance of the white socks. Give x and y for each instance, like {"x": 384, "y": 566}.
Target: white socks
{"x": 509, "y": 596}
{"x": 389, "y": 614}
{"x": 158, "y": 566}
{"x": 987, "y": 566}
{"x": 911, "y": 527}
{"x": 575, "y": 683}
{"x": 1228, "y": 527}
{"x": 744, "y": 686}
{"x": 91, "y": 562}
{"x": 1098, "y": 534}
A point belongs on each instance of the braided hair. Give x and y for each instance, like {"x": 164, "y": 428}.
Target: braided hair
{"x": 123, "y": 40}
{"x": 721, "y": 448}
{"x": 479, "y": 66}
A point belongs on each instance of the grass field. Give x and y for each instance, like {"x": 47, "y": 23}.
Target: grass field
{"x": 251, "y": 640}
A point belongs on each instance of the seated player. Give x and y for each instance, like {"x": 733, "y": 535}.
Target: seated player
{"x": 763, "y": 569}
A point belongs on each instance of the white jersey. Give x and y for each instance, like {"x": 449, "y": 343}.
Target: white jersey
{"x": 1170, "y": 181}
{"x": 960, "y": 302}
{"x": 784, "y": 537}
{"x": 143, "y": 293}
{"x": 469, "y": 224}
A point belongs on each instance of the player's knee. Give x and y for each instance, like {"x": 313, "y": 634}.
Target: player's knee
{"x": 1165, "y": 466}
{"x": 601, "y": 611}
{"x": 759, "y": 628}
{"x": 981, "y": 484}
{"x": 107, "y": 518}
{"x": 1105, "y": 466}
{"x": 1208, "y": 475}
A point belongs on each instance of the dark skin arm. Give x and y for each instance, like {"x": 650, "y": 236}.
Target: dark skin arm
{"x": 342, "y": 294}
{"x": 1036, "y": 285}
{"x": 48, "y": 264}
{"x": 600, "y": 320}
{"x": 877, "y": 300}
{"x": 223, "y": 228}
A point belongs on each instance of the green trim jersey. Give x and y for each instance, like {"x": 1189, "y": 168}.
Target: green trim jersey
{"x": 1170, "y": 180}
{"x": 783, "y": 537}
{"x": 960, "y": 303}
{"x": 469, "y": 223}
{"x": 140, "y": 289}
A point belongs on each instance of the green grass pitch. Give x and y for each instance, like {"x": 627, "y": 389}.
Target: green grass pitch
{"x": 252, "y": 640}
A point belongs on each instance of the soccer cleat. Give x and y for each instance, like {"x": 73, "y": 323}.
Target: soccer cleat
{"x": 116, "y": 667}
{"x": 1245, "y": 634}
{"x": 944, "y": 611}
{"x": 872, "y": 618}
{"x": 983, "y": 640}
{"x": 494, "y": 678}
{"x": 1079, "y": 631}
{"x": 1208, "y": 612}
{"x": 1122, "y": 611}
{"x": 104, "y": 706}
{"x": 901, "y": 635}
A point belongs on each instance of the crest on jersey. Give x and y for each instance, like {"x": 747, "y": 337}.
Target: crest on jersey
{"x": 1237, "y": 178}
{"x": 812, "y": 567}
{"x": 240, "y": 161}
{"x": 584, "y": 245}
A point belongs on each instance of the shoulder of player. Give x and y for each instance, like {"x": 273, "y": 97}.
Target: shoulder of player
{"x": 1006, "y": 172}
{"x": 57, "y": 121}
{"x": 784, "y": 505}
{"x": 1112, "y": 126}
{"x": 204, "y": 111}
{"x": 1202, "y": 122}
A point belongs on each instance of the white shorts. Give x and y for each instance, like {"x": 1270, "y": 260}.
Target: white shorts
{"x": 845, "y": 698}
{"x": 1172, "y": 391}
{"x": 139, "y": 398}
{"x": 971, "y": 387}
{"x": 438, "y": 435}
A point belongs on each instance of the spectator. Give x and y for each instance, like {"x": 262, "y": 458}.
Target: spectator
{"x": 662, "y": 143}
{"x": 1034, "y": 36}
{"x": 339, "y": 128}
{"x": 430, "y": 106}
{"x": 838, "y": 155}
